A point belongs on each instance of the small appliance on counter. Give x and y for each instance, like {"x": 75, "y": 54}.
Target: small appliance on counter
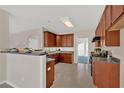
{"x": 98, "y": 52}
{"x": 104, "y": 53}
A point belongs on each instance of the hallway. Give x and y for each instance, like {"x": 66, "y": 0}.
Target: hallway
{"x": 72, "y": 76}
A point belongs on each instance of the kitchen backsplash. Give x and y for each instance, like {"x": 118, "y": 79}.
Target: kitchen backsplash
{"x": 61, "y": 48}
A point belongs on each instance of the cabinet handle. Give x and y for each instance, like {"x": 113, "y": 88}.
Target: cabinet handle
{"x": 49, "y": 68}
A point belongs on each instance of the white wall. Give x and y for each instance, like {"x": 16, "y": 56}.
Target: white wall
{"x": 115, "y": 51}
{"x": 83, "y": 34}
{"x": 26, "y": 71}
{"x": 23, "y": 39}
{"x": 4, "y": 42}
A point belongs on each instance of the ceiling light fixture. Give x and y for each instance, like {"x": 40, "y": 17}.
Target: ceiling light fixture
{"x": 67, "y": 22}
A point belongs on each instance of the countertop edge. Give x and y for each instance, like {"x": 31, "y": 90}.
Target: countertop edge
{"x": 113, "y": 60}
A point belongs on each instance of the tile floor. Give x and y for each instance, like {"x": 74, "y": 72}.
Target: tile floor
{"x": 72, "y": 76}
{"x": 69, "y": 76}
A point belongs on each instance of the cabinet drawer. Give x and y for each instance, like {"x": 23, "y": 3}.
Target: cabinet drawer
{"x": 49, "y": 73}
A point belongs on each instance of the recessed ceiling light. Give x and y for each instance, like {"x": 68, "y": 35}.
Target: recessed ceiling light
{"x": 67, "y": 22}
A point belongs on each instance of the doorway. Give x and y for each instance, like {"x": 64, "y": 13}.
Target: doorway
{"x": 83, "y": 50}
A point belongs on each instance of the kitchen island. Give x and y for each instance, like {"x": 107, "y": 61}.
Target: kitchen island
{"x": 26, "y": 70}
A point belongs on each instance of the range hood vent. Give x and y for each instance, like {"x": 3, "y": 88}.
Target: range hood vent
{"x": 96, "y": 38}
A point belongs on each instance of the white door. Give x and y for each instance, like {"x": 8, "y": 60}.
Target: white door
{"x": 83, "y": 50}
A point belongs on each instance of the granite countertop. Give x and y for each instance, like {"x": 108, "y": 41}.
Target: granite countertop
{"x": 32, "y": 53}
{"x": 106, "y": 60}
{"x": 67, "y": 51}
{"x": 55, "y": 52}
{"x": 50, "y": 59}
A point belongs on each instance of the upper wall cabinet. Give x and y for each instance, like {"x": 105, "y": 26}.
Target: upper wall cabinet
{"x": 58, "y": 41}
{"x": 117, "y": 10}
{"x": 103, "y": 29}
{"x": 108, "y": 15}
{"x": 49, "y": 39}
{"x": 109, "y": 26}
{"x": 69, "y": 40}
{"x": 117, "y": 17}
{"x": 53, "y": 40}
{"x": 65, "y": 40}
{"x": 100, "y": 31}
{"x": 112, "y": 38}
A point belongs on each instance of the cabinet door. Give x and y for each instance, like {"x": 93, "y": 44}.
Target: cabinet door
{"x": 93, "y": 72}
{"x": 117, "y": 10}
{"x": 107, "y": 75}
{"x": 49, "y": 39}
{"x": 58, "y": 41}
{"x": 54, "y": 56}
{"x": 108, "y": 15}
{"x": 103, "y": 30}
{"x": 97, "y": 33}
{"x": 61, "y": 57}
{"x": 69, "y": 40}
{"x": 64, "y": 42}
{"x": 46, "y": 44}
{"x": 101, "y": 75}
{"x": 98, "y": 44}
{"x": 49, "y": 73}
{"x": 66, "y": 57}
{"x": 112, "y": 38}
{"x": 53, "y": 40}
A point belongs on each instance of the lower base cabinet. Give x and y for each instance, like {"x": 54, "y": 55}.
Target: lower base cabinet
{"x": 106, "y": 75}
{"x": 63, "y": 57}
{"x": 50, "y": 74}
{"x": 54, "y": 56}
{"x": 66, "y": 58}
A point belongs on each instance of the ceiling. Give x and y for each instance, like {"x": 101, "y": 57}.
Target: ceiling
{"x": 23, "y": 18}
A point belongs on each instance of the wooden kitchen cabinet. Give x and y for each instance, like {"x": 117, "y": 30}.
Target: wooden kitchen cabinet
{"x": 65, "y": 40}
{"x": 53, "y": 40}
{"x": 50, "y": 74}
{"x": 101, "y": 75}
{"x": 69, "y": 40}
{"x": 117, "y": 11}
{"x": 98, "y": 44}
{"x": 66, "y": 58}
{"x": 98, "y": 33}
{"x": 112, "y": 38}
{"x": 108, "y": 16}
{"x": 103, "y": 30}
{"x": 49, "y": 39}
{"x": 107, "y": 22}
{"x": 54, "y": 56}
{"x": 106, "y": 75}
{"x": 93, "y": 72}
{"x": 58, "y": 40}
